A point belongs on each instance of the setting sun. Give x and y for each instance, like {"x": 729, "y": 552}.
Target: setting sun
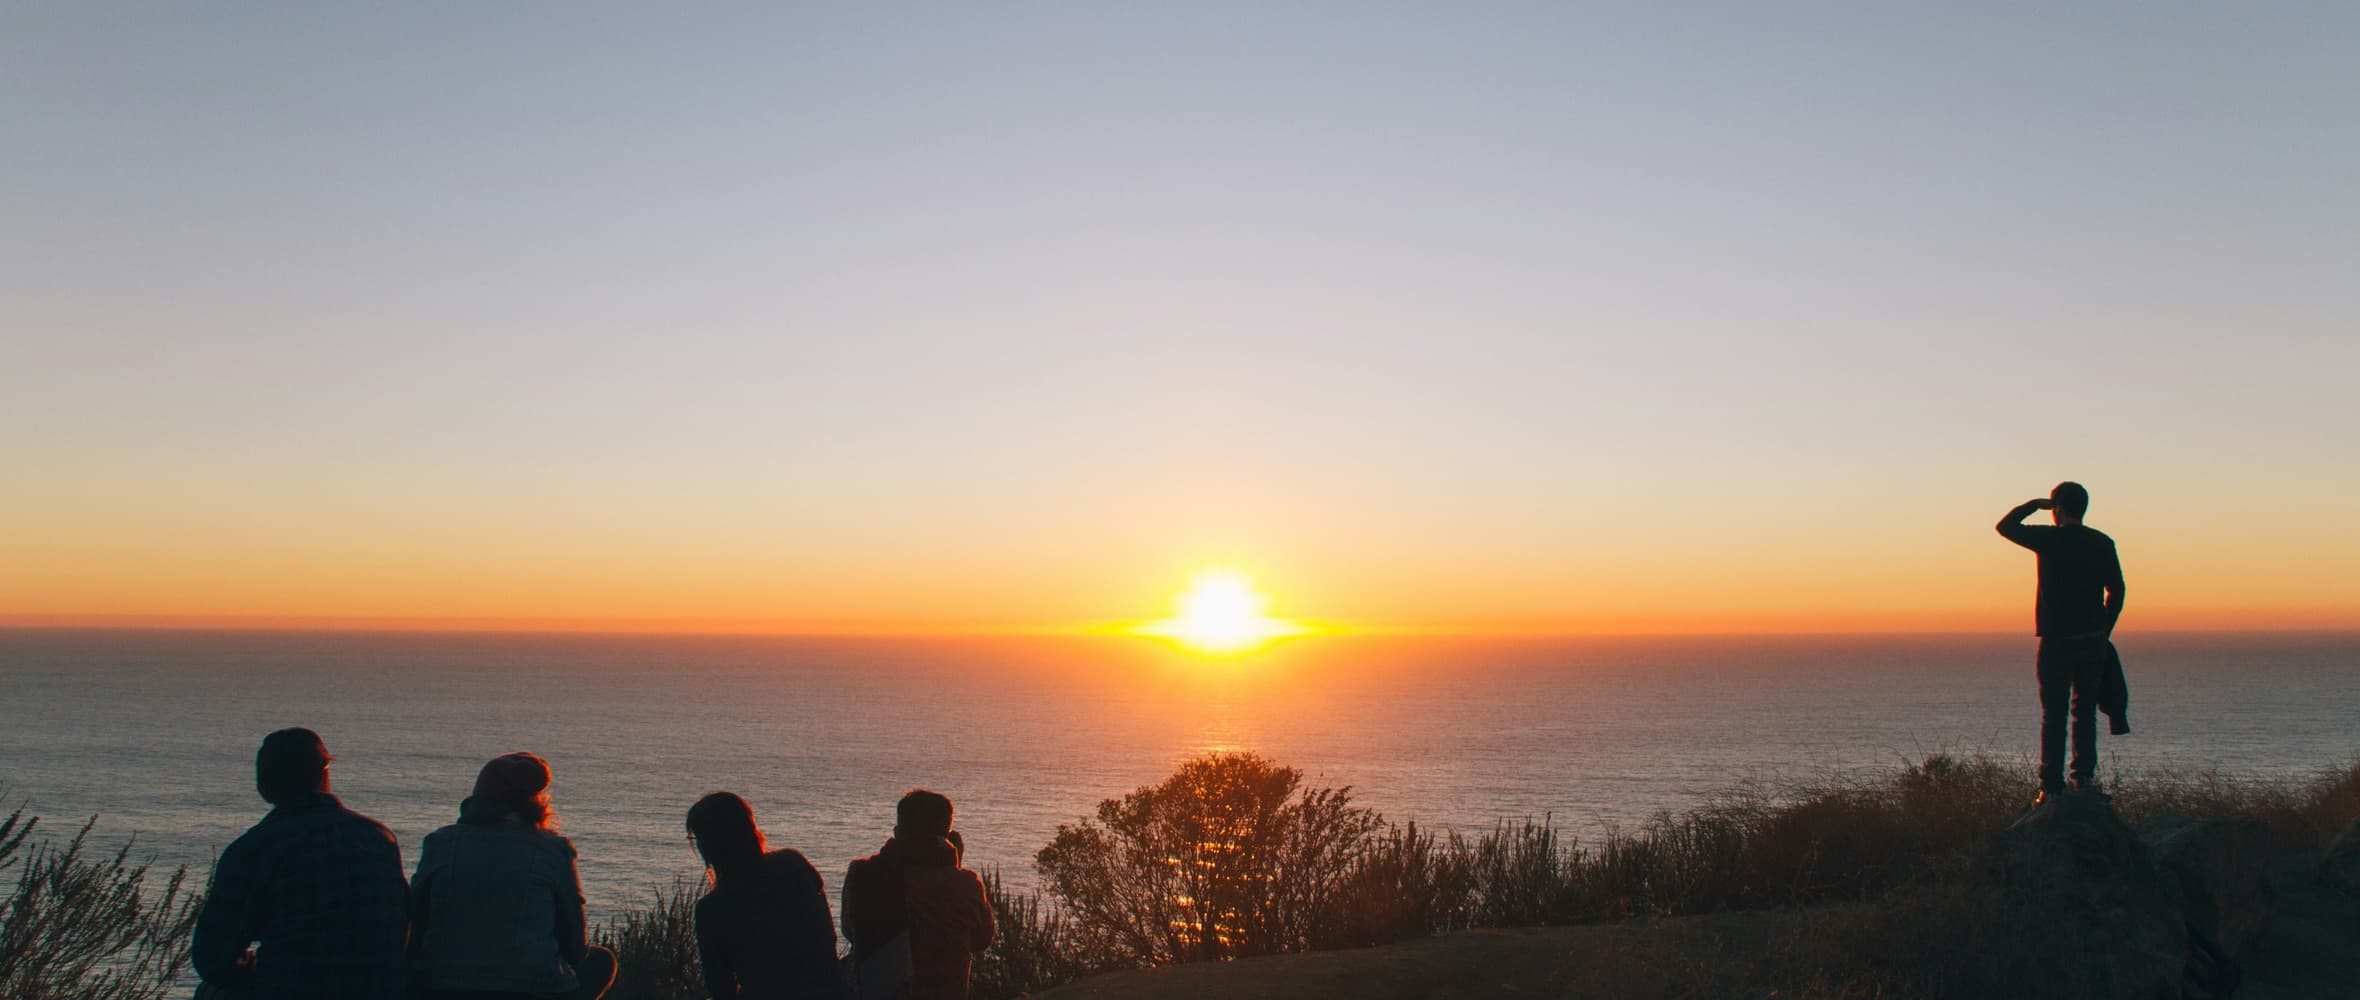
{"x": 1222, "y": 612}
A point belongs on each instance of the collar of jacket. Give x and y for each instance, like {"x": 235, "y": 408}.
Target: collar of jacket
{"x": 306, "y": 802}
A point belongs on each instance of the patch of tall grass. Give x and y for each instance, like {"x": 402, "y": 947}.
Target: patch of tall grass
{"x": 656, "y": 947}
{"x": 2301, "y": 813}
{"x": 1037, "y": 946}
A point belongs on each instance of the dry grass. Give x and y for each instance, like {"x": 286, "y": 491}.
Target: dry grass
{"x": 2304, "y": 814}
{"x": 1408, "y": 882}
{"x": 656, "y": 948}
{"x": 1036, "y": 949}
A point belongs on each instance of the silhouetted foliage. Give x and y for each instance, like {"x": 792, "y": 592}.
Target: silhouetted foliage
{"x": 88, "y": 927}
{"x": 1037, "y": 946}
{"x": 1226, "y": 858}
{"x": 1838, "y": 839}
{"x": 1408, "y": 882}
{"x": 1518, "y": 876}
{"x": 2308, "y": 813}
{"x": 1232, "y": 830}
{"x": 656, "y": 948}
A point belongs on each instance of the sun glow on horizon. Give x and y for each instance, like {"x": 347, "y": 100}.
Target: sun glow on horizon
{"x": 1221, "y": 612}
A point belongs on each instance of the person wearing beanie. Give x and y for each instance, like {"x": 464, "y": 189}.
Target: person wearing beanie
{"x": 309, "y": 904}
{"x": 496, "y": 905}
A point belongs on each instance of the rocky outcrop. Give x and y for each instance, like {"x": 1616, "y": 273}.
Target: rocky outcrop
{"x": 2164, "y": 911}
{"x": 2226, "y": 892}
{"x": 2073, "y": 859}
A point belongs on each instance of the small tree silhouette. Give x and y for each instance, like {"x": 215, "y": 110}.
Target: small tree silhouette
{"x": 1228, "y": 857}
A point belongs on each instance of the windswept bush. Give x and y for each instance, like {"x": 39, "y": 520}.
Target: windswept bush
{"x": 1408, "y": 882}
{"x": 88, "y": 927}
{"x": 1517, "y": 875}
{"x": 1037, "y": 947}
{"x": 656, "y": 948}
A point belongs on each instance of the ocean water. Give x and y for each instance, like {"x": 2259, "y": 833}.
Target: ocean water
{"x": 154, "y": 731}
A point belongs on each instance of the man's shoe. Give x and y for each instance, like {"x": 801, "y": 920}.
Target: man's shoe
{"x": 2089, "y": 787}
{"x": 2046, "y": 796}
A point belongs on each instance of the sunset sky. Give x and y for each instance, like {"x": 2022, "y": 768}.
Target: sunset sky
{"x": 1542, "y": 317}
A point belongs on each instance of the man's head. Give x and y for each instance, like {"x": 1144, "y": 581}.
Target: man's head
{"x": 922, "y": 815}
{"x": 291, "y": 762}
{"x": 2069, "y": 501}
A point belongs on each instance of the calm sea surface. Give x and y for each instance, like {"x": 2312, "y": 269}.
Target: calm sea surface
{"x": 155, "y": 731}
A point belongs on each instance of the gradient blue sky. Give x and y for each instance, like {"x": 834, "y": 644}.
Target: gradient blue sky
{"x": 1554, "y": 315}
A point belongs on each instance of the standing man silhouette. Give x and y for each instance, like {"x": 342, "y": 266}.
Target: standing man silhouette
{"x": 2079, "y": 599}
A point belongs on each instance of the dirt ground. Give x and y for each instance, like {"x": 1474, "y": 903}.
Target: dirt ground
{"x": 2311, "y": 953}
{"x": 1634, "y": 960}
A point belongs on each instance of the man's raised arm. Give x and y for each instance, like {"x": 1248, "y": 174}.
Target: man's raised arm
{"x": 2013, "y": 528}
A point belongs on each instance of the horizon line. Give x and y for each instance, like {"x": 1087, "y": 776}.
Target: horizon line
{"x": 956, "y": 628}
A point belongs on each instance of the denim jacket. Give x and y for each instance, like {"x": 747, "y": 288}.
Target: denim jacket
{"x": 496, "y": 906}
